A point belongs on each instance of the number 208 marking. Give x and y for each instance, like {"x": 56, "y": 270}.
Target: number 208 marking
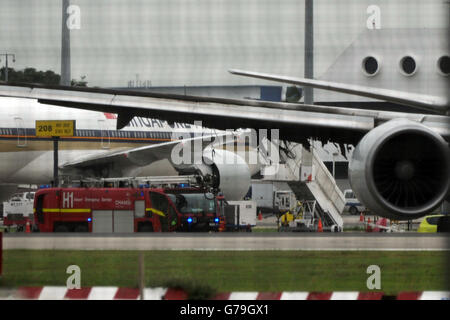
{"x": 45, "y": 128}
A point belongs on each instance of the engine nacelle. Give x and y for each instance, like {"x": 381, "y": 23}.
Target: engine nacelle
{"x": 221, "y": 170}
{"x": 400, "y": 170}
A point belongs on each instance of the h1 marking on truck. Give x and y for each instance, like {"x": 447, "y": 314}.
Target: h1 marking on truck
{"x": 67, "y": 199}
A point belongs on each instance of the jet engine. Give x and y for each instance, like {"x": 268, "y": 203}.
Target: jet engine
{"x": 223, "y": 171}
{"x": 400, "y": 170}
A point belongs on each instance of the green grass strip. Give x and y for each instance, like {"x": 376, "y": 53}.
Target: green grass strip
{"x": 226, "y": 271}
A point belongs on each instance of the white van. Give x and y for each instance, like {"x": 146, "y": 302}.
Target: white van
{"x": 352, "y": 204}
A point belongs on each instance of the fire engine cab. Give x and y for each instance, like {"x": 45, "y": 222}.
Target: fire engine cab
{"x": 125, "y": 210}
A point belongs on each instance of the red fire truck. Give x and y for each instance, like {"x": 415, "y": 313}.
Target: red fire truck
{"x": 123, "y": 210}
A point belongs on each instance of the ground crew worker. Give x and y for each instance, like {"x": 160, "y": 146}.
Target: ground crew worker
{"x": 286, "y": 218}
{"x": 300, "y": 209}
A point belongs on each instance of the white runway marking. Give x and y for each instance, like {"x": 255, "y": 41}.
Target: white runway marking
{"x": 243, "y": 296}
{"x": 53, "y": 293}
{"x": 294, "y": 295}
{"x": 102, "y": 293}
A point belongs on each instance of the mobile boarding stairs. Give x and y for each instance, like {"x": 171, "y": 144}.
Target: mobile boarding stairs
{"x": 310, "y": 180}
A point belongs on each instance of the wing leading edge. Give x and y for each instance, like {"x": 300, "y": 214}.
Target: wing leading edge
{"x": 435, "y": 104}
{"x": 296, "y": 122}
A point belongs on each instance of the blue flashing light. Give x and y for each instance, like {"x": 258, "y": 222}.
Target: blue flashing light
{"x": 216, "y": 220}
{"x": 184, "y": 185}
{"x": 189, "y": 220}
{"x": 142, "y": 193}
{"x": 89, "y": 219}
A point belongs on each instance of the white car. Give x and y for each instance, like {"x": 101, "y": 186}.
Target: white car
{"x": 352, "y": 204}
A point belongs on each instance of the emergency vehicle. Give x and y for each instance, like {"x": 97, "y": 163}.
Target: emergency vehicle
{"x": 18, "y": 210}
{"x": 124, "y": 210}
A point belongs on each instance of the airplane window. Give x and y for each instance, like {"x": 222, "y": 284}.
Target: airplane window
{"x": 408, "y": 65}
{"x": 444, "y": 65}
{"x": 370, "y": 66}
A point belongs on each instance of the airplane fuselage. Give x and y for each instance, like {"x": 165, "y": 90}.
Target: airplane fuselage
{"x": 26, "y": 158}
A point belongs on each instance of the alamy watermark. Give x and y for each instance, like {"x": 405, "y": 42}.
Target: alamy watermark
{"x": 73, "y": 21}
{"x": 74, "y": 280}
{"x": 246, "y": 145}
{"x": 374, "y": 281}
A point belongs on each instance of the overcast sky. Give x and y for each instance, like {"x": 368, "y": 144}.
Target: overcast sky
{"x": 194, "y": 42}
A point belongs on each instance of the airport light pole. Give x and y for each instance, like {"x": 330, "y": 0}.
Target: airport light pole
{"x": 6, "y": 55}
{"x": 65, "y": 47}
{"x": 309, "y": 50}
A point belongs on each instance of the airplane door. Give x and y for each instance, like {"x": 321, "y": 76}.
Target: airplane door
{"x": 104, "y": 133}
{"x": 21, "y": 134}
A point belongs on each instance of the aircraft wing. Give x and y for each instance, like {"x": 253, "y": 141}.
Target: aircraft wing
{"x": 296, "y": 122}
{"x": 425, "y": 102}
{"x": 118, "y": 161}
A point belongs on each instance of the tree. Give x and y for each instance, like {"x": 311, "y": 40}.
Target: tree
{"x": 79, "y": 83}
{"x": 31, "y": 75}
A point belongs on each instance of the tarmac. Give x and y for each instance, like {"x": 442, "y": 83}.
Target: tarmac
{"x": 230, "y": 241}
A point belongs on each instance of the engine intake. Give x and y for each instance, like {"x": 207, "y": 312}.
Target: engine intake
{"x": 400, "y": 170}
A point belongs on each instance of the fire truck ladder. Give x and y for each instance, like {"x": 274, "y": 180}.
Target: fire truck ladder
{"x": 135, "y": 182}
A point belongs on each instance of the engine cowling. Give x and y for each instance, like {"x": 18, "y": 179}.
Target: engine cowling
{"x": 222, "y": 170}
{"x": 400, "y": 170}
{"x": 230, "y": 171}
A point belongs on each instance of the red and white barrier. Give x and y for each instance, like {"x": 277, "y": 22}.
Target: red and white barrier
{"x": 115, "y": 293}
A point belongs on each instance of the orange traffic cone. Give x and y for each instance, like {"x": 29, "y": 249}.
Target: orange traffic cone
{"x": 260, "y": 215}
{"x": 221, "y": 225}
{"x": 361, "y": 217}
{"x": 319, "y": 226}
{"x": 27, "y": 227}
